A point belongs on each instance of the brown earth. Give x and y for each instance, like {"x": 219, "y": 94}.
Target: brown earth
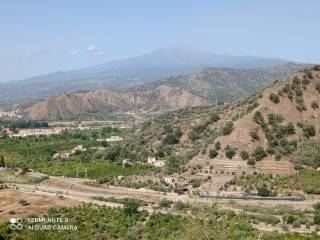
{"x": 38, "y": 204}
{"x": 106, "y": 101}
{"x": 240, "y": 137}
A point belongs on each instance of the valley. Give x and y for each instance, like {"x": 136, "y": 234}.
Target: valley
{"x": 257, "y": 152}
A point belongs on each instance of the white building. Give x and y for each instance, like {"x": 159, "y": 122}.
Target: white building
{"x": 127, "y": 162}
{"x": 169, "y": 180}
{"x": 151, "y": 160}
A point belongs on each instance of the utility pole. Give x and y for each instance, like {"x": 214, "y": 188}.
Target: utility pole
{"x": 77, "y": 174}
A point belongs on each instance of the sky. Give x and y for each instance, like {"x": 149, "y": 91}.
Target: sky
{"x": 39, "y": 37}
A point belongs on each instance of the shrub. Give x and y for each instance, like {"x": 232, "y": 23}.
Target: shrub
{"x": 131, "y": 208}
{"x": 227, "y": 129}
{"x": 296, "y": 80}
{"x": 164, "y": 203}
{"x": 229, "y": 152}
{"x": 193, "y": 135}
{"x": 286, "y": 88}
{"x": 309, "y": 130}
{"x": 251, "y": 161}
{"x": 217, "y": 145}
{"x": 290, "y": 219}
{"x": 195, "y": 183}
{"x": 274, "y": 119}
{"x": 290, "y": 129}
{"x": 278, "y": 156}
{"x": 306, "y": 81}
{"x": 244, "y": 155}
{"x": 258, "y": 118}
{"x": 274, "y": 98}
{"x": 264, "y": 192}
{"x": 315, "y": 105}
{"x": 213, "y": 153}
{"x": 259, "y": 153}
{"x": 180, "y": 205}
{"x": 214, "y": 117}
{"x": 254, "y": 135}
{"x": 170, "y": 139}
{"x": 270, "y": 150}
{"x": 23, "y": 202}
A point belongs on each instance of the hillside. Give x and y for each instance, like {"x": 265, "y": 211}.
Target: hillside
{"x": 161, "y": 63}
{"x": 106, "y": 101}
{"x": 259, "y": 133}
{"x": 206, "y": 86}
{"x": 225, "y": 84}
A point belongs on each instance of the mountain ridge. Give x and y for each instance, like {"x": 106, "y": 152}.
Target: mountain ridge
{"x": 145, "y": 68}
{"x": 204, "y": 87}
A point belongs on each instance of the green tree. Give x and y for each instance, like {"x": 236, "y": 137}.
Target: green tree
{"x": 170, "y": 139}
{"x": 309, "y": 130}
{"x": 213, "y": 153}
{"x": 227, "y": 129}
{"x": 131, "y": 207}
{"x": 259, "y": 153}
{"x": 217, "y": 145}
{"x": 263, "y": 192}
{"x": 274, "y": 98}
{"x": 244, "y": 155}
{"x": 230, "y": 152}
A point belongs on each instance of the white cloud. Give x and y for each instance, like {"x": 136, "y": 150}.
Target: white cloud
{"x": 92, "y": 48}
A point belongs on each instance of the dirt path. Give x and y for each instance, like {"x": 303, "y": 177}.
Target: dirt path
{"x": 75, "y": 189}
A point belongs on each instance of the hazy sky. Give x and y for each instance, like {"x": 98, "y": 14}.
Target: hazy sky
{"x": 39, "y": 36}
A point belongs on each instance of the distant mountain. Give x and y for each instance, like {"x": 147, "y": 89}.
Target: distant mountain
{"x": 105, "y": 101}
{"x": 224, "y": 84}
{"x": 160, "y": 63}
{"x": 200, "y": 88}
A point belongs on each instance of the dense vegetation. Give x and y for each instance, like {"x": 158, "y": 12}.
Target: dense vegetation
{"x": 308, "y": 154}
{"x": 37, "y": 153}
{"x": 22, "y": 123}
{"x": 264, "y": 183}
{"x": 100, "y": 222}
